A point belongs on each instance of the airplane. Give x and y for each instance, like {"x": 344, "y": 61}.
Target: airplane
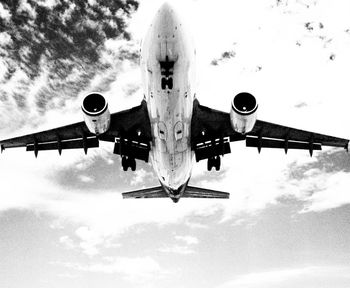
{"x": 170, "y": 128}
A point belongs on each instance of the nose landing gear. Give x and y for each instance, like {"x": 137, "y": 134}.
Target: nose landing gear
{"x": 214, "y": 162}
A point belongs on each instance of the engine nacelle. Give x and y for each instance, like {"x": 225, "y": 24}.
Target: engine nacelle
{"x": 243, "y": 112}
{"x": 96, "y": 113}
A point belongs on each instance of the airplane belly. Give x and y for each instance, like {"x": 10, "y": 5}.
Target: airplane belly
{"x": 171, "y": 153}
{"x": 167, "y": 64}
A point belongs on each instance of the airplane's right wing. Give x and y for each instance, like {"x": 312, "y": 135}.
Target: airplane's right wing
{"x": 212, "y": 132}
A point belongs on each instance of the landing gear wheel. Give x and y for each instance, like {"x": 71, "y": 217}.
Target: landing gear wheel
{"x": 164, "y": 83}
{"x": 132, "y": 164}
{"x": 217, "y": 163}
{"x": 125, "y": 163}
{"x": 170, "y": 83}
{"x": 210, "y": 163}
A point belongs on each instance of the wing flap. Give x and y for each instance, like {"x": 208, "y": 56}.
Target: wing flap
{"x": 91, "y": 142}
{"x": 276, "y": 143}
{"x": 196, "y": 192}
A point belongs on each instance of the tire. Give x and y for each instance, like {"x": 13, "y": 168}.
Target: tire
{"x": 125, "y": 163}
{"x": 210, "y": 164}
{"x": 163, "y": 83}
{"x": 217, "y": 163}
{"x": 170, "y": 83}
{"x": 133, "y": 164}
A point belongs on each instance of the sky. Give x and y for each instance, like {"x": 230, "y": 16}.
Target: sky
{"x": 63, "y": 222}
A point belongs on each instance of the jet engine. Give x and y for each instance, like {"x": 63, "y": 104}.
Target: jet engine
{"x": 243, "y": 112}
{"x": 96, "y": 114}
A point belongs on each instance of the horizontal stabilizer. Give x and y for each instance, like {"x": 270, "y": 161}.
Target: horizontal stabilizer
{"x": 154, "y": 192}
{"x": 195, "y": 192}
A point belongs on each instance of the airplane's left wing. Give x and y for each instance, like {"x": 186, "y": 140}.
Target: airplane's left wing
{"x": 129, "y": 129}
{"x": 212, "y": 131}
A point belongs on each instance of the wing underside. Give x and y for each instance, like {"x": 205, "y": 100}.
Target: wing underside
{"x": 212, "y": 132}
{"x": 130, "y": 130}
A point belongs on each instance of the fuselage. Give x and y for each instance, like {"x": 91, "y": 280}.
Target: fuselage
{"x": 168, "y": 75}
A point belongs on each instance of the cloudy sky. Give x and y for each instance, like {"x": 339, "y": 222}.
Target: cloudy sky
{"x": 62, "y": 220}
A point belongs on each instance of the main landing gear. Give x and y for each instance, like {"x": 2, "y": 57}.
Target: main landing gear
{"x": 128, "y": 162}
{"x": 214, "y": 162}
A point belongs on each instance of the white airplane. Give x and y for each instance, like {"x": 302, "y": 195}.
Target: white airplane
{"x": 170, "y": 128}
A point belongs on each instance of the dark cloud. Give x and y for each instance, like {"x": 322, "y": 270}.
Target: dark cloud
{"x": 313, "y": 25}
{"x": 224, "y": 56}
{"x": 102, "y": 174}
{"x": 300, "y": 105}
{"x": 69, "y": 31}
{"x": 332, "y": 161}
{"x": 60, "y": 49}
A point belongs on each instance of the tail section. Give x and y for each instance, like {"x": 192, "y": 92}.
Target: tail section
{"x": 190, "y": 192}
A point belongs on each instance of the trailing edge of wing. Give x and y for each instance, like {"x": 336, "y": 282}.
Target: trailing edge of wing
{"x": 196, "y": 192}
{"x": 154, "y": 192}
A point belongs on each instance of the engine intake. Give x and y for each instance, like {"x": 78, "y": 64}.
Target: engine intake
{"x": 96, "y": 114}
{"x": 243, "y": 112}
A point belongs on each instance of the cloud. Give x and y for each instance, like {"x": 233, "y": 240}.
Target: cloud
{"x": 4, "y": 12}
{"x": 86, "y": 179}
{"x": 176, "y": 249}
{"x": 24, "y": 6}
{"x": 224, "y": 56}
{"x": 189, "y": 240}
{"x": 309, "y": 276}
{"x": 185, "y": 247}
{"x": 321, "y": 184}
{"x": 140, "y": 175}
{"x": 136, "y": 270}
{"x": 67, "y": 242}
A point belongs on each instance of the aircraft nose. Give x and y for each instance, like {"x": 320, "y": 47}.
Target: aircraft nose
{"x": 165, "y": 8}
{"x": 166, "y": 21}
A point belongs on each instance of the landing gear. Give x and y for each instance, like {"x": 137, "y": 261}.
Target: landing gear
{"x": 167, "y": 83}
{"x": 214, "y": 162}
{"x": 128, "y": 163}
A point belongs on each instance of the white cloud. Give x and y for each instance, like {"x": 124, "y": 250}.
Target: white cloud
{"x": 139, "y": 176}
{"x": 25, "y": 6}
{"x": 48, "y": 3}
{"x": 86, "y": 179}
{"x": 189, "y": 240}
{"x": 186, "y": 247}
{"x": 137, "y": 270}
{"x": 89, "y": 240}
{"x": 67, "y": 242}
{"x": 4, "y": 13}
{"x": 176, "y": 249}
{"x": 308, "y": 277}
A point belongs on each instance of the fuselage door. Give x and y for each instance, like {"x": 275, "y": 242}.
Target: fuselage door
{"x": 162, "y": 131}
{"x": 178, "y": 130}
